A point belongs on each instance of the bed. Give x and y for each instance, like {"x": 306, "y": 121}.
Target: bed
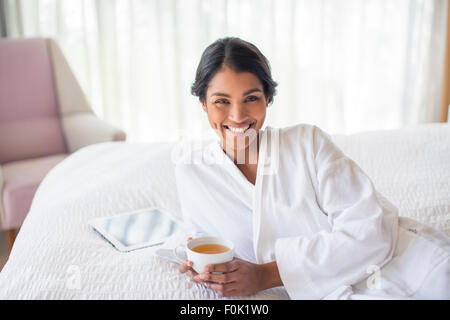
{"x": 57, "y": 256}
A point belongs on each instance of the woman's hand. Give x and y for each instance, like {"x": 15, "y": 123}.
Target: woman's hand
{"x": 187, "y": 267}
{"x": 239, "y": 277}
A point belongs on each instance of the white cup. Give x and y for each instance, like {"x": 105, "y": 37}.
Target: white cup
{"x": 200, "y": 260}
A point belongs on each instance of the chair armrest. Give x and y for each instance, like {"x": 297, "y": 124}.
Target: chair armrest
{"x": 84, "y": 128}
{"x": 2, "y": 215}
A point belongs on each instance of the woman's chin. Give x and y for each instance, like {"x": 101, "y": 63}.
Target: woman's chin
{"x": 234, "y": 144}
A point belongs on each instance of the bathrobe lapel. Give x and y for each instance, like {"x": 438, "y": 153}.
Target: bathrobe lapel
{"x": 267, "y": 167}
{"x": 242, "y": 188}
{"x": 252, "y": 195}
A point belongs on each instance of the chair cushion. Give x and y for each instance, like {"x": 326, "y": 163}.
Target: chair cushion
{"x": 30, "y": 126}
{"x": 21, "y": 180}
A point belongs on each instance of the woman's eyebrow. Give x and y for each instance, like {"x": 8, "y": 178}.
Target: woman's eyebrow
{"x": 251, "y": 91}
{"x": 244, "y": 94}
{"x": 220, "y": 94}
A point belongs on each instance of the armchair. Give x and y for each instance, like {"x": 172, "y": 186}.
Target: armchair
{"x": 44, "y": 117}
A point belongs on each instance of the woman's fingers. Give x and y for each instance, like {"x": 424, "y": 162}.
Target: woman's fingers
{"x": 223, "y": 289}
{"x": 185, "y": 266}
{"x": 218, "y": 278}
{"x": 195, "y": 276}
{"x": 231, "y": 266}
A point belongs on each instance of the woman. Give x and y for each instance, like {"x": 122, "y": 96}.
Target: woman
{"x": 301, "y": 214}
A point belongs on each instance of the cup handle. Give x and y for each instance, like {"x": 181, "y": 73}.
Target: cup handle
{"x": 175, "y": 253}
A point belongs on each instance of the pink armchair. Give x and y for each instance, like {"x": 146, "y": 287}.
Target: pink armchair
{"x": 44, "y": 117}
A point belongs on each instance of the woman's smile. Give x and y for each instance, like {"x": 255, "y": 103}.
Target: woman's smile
{"x": 239, "y": 130}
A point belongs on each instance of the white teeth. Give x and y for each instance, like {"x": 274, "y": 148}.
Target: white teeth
{"x": 238, "y": 130}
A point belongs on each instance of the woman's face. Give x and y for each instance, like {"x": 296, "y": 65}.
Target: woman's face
{"x": 236, "y": 107}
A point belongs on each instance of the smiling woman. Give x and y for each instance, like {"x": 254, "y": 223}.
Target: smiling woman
{"x": 314, "y": 221}
{"x": 235, "y": 86}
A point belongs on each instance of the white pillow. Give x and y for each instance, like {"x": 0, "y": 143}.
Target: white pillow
{"x": 409, "y": 166}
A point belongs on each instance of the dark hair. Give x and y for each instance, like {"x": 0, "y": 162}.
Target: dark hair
{"x": 238, "y": 55}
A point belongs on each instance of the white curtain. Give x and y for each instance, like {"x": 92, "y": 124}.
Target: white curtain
{"x": 344, "y": 65}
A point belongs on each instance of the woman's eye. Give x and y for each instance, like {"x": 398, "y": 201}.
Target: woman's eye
{"x": 252, "y": 98}
{"x": 221, "y": 101}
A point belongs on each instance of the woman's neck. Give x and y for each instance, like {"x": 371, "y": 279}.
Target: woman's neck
{"x": 247, "y": 157}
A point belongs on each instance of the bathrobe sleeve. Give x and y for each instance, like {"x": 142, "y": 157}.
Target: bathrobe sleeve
{"x": 362, "y": 233}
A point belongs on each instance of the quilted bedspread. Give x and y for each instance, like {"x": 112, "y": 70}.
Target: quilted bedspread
{"x": 57, "y": 256}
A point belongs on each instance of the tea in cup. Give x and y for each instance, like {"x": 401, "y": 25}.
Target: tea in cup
{"x": 203, "y": 251}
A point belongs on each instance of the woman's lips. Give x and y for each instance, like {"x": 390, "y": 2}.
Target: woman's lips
{"x": 235, "y": 131}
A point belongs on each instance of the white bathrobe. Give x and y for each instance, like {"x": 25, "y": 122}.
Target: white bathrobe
{"x": 314, "y": 211}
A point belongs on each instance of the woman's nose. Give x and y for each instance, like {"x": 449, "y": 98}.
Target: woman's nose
{"x": 237, "y": 113}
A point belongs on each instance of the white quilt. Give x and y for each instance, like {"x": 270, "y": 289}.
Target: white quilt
{"x": 57, "y": 256}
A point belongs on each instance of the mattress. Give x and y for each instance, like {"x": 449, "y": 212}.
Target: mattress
{"x": 57, "y": 256}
